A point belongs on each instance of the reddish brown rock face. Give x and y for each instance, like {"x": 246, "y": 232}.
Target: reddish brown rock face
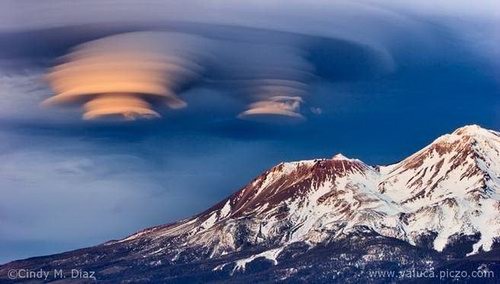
{"x": 304, "y": 178}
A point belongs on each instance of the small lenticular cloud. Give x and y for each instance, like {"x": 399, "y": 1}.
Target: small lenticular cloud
{"x": 274, "y": 79}
{"x": 127, "y": 75}
{"x": 278, "y": 107}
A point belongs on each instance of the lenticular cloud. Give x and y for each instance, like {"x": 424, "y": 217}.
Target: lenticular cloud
{"x": 135, "y": 74}
{"x": 127, "y": 75}
{"x": 276, "y": 106}
{"x": 131, "y": 75}
{"x": 272, "y": 78}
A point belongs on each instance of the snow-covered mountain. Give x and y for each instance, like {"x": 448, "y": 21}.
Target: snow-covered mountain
{"x": 449, "y": 188}
{"x": 446, "y": 194}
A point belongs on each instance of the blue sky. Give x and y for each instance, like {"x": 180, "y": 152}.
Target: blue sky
{"x": 387, "y": 79}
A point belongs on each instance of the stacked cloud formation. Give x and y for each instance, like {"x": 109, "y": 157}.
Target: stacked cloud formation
{"x": 268, "y": 53}
{"x": 130, "y": 75}
{"x": 126, "y": 75}
{"x": 275, "y": 78}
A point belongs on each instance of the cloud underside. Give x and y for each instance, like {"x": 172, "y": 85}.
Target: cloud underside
{"x": 127, "y": 106}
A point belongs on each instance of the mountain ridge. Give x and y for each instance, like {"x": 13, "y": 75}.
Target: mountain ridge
{"x": 270, "y": 187}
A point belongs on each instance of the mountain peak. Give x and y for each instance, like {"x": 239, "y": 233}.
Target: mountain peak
{"x": 469, "y": 134}
{"x": 339, "y": 156}
{"x": 470, "y": 130}
{"x": 473, "y": 130}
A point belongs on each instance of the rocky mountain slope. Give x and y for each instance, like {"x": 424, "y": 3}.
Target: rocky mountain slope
{"x": 324, "y": 220}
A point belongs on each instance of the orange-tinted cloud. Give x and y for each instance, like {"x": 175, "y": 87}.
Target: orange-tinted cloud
{"x": 283, "y": 106}
{"x": 126, "y": 75}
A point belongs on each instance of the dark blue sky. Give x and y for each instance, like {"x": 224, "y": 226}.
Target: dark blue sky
{"x": 388, "y": 80}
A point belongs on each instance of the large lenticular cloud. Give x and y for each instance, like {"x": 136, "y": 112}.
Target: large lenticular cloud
{"x": 126, "y": 75}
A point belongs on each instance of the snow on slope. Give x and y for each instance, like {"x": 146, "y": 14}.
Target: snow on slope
{"x": 449, "y": 188}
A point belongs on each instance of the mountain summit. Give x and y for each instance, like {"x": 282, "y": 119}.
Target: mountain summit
{"x": 441, "y": 202}
{"x": 450, "y": 187}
